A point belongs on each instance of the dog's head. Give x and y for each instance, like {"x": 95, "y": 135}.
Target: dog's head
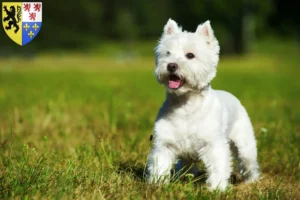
{"x": 186, "y": 61}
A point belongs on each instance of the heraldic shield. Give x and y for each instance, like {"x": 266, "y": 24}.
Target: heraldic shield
{"x": 22, "y": 21}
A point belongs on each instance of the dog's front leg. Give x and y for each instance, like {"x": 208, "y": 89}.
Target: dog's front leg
{"x": 216, "y": 157}
{"x": 159, "y": 165}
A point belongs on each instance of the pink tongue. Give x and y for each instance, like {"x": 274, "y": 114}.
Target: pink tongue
{"x": 174, "y": 84}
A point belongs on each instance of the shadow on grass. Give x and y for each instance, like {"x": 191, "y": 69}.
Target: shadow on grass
{"x": 136, "y": 170}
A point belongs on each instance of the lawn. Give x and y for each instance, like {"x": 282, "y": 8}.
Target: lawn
{"x": 78, "y": 125}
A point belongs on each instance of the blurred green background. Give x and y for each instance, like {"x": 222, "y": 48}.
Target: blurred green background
{"x": 78, "y": 103}
{"x": 90, "y": 24}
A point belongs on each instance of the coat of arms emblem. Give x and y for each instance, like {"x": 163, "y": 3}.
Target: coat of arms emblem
{"x": 22, "y": 21}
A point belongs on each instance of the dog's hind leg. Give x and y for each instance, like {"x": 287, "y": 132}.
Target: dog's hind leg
{"x": 242, "y": 136}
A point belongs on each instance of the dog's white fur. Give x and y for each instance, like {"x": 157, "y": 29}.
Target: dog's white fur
{"x": 196, "y": 122}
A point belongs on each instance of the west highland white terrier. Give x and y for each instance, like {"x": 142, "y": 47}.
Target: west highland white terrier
{"x": 197, "y": 123}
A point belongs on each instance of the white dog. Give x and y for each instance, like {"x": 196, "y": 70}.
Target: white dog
{"x": 196, "y": 122}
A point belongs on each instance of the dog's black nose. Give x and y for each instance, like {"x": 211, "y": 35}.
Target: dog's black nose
{"x": 172, "y": 67}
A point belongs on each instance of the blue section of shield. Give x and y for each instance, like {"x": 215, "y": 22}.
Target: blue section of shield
{"x": 30, "y": 31}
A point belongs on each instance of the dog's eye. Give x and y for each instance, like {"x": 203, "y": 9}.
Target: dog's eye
{"x": 190, "y": 56}
{"x": 168, "y": 53}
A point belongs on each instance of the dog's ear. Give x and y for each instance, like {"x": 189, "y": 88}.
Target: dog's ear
{"x": 171, "y": 27}
{"x": 206, "y": 30}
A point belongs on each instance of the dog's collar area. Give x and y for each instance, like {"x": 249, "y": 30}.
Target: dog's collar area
{"x": 205, "y": 87}
{"x": 200, "y": 91}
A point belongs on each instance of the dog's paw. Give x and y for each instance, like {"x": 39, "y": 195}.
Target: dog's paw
{"x": 218, "y": 186}
{"x": 253, "y": 177}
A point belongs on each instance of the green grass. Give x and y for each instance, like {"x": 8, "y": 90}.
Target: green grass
{"x": 78, "y": 126}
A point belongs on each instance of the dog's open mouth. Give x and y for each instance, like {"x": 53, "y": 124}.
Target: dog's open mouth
{"x": 174, "y": 81}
